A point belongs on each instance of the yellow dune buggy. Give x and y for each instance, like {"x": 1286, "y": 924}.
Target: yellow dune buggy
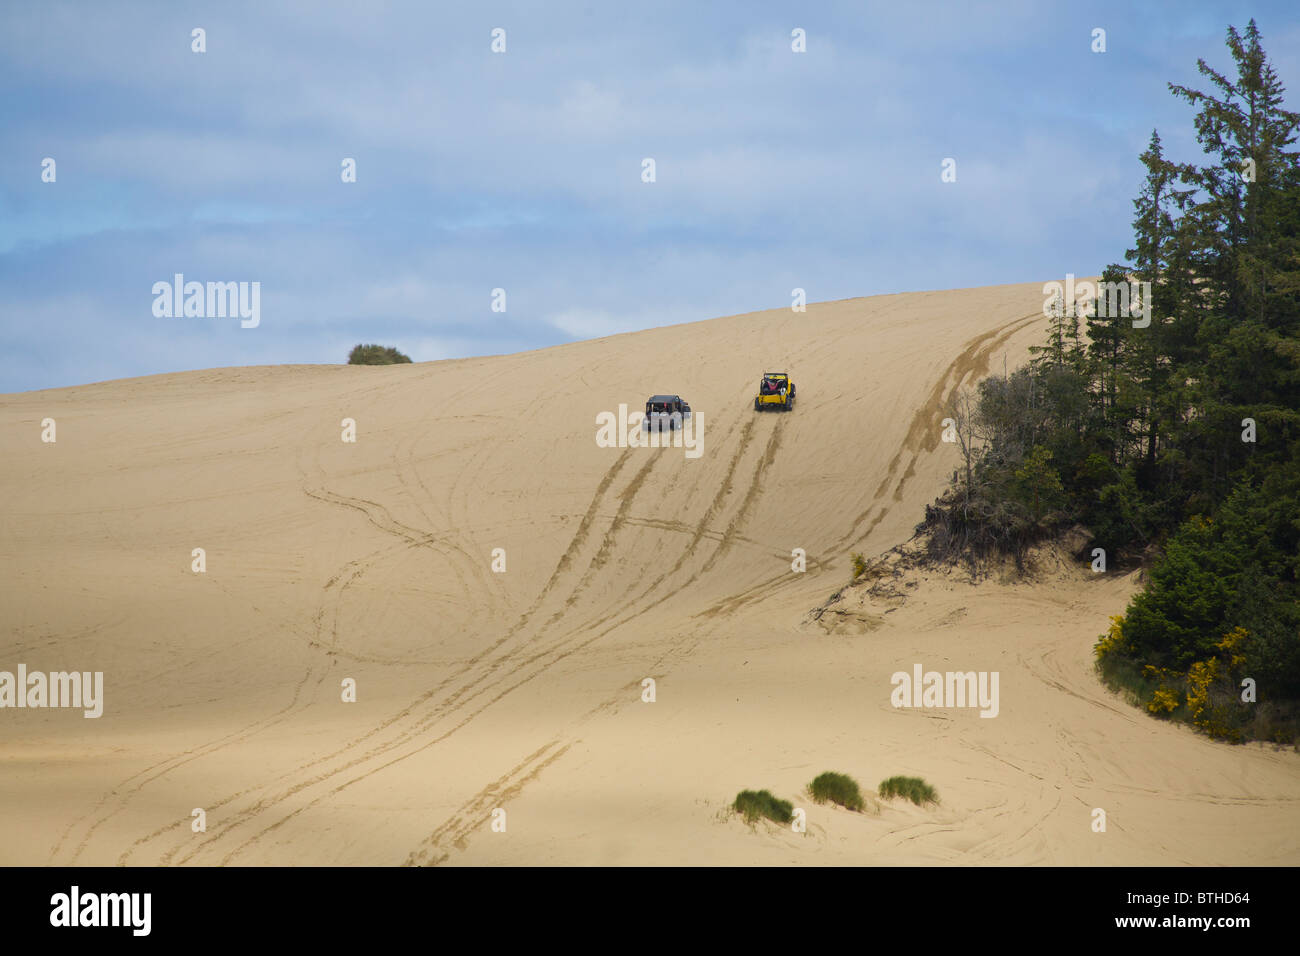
{"x": 775, "y": 393}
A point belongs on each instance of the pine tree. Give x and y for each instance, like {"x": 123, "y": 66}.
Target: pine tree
{"x": 1159, "y": 227}
{"x": 1106, "y": 356}
{"x": 1247, "y": 129}
{"x": 1246, "y": 220}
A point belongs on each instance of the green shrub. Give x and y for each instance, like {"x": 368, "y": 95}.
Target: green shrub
{"x": 376, "y": 355}
{"x": 913, "y": 788}
{"x": 838, "y": 788}
{"x": 859, "y": 566}
{"x": 760, "y": 803}
{"x": 1037, "y": 484}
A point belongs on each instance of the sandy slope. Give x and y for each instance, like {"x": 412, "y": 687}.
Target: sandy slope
{"x": 521, "y": 690}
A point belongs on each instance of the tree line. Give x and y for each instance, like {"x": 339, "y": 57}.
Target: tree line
{"x": 1174, "y": 443}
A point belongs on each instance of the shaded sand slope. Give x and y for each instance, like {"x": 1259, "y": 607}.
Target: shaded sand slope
{"x": 476, "y": 690}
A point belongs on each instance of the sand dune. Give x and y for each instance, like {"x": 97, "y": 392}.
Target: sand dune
{"x": 371, "y": 560}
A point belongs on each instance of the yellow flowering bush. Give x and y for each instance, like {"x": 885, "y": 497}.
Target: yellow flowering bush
{"x": 1199, "y": 679}
{"x": 1230, "y": 643}
{"x": 1163, "y": 701}
{"x": 1112, "y": 642}
{"x": 1205, "y": 675}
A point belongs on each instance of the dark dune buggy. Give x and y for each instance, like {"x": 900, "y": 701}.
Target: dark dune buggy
{"x": 665, "y": 413}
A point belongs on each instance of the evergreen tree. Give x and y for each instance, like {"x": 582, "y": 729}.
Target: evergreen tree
{"x": 1246, "y": 221}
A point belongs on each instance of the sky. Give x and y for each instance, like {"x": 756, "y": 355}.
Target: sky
{"x": 523, "y": 170}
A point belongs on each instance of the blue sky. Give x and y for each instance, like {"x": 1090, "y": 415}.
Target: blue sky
{"x": 522, "y": 170}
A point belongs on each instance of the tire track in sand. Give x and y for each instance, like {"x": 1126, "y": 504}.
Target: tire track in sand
{"x": 453, "y": 704}
{"x": 921, "y": 438}
{"x": 385, "y": 522}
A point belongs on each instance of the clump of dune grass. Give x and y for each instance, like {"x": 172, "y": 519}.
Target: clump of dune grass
{"x": 838, "y": 788}
{"x": 760, "y": 803}
{"x": 859, "y": 566}
{"x": 913, "y": 788}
